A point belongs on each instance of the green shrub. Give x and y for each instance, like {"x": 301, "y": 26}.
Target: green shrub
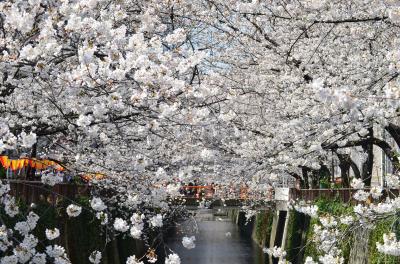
{"x": 331, "y": 207}
{"x": 263, "y": 226}
{"x": 376, "y": 235}
{"x": 297, "y": 225}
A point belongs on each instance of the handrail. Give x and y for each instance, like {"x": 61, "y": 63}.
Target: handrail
{"x": 40, "y": 182}
{"x": 23, "y": 187}
{"x": 197, "y": 187}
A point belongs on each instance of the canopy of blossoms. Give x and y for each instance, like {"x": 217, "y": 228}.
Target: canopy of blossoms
{"x": 148, "y": 91}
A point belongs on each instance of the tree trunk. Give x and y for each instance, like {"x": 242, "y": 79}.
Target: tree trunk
{"x": 389, "y": 152}
{"x": 394, "y": 131}
{"x": 359, "y": 249}
{"x": 324, "y": 173}
{"x": 367, "y": 166}
{"x": 30, "y": 172}
{"x": 315, "y": 179}
{"x": 305, "y": 183}
{"x": 386, "y": 148}
{"x": 344, "y": 165}
{"x": 355, "y": 169}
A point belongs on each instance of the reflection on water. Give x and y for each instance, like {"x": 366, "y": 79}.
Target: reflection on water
{"x": 212, "y": 244}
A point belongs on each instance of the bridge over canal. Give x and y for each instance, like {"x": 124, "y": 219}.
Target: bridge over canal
{"x": 34, "y": 191}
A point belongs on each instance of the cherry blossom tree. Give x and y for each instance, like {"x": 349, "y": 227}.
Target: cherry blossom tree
{"x": 101, "y": 86}
{"x": 305, "y": 82}
{"x": 146, "y": 91}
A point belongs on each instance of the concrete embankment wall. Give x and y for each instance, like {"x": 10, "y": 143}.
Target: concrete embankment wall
{"x": 293, "y": 232}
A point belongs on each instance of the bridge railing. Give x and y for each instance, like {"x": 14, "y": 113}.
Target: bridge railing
{"x": 216, "y": 192}
{"x": 34, "y": 191}
{"x": 344, "y": 194}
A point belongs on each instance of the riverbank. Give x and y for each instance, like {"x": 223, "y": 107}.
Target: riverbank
{"x": 294, "y": 232}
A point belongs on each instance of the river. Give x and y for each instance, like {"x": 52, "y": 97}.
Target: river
{"x": 218, "y": 240}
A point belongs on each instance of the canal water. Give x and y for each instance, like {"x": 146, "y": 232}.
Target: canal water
{"x": 218, "y": 240}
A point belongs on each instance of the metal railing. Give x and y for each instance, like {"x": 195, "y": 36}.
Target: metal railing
{"x": 345, "y": 195}
{"x": 34, "y": 191}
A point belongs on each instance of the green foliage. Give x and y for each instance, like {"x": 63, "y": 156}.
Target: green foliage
{"x": 46, "y": 212}
{"x": 263, "y": 226}
{"x": 77, "y": 180}
{"x": 83, "y": 201}
{"x": 376, "y": 235}
{"x": 324, "y": 183}
{"x": 331, "y": 207}
{"x": 311, "y": 249}
{"x": 296, "y": 227}
{"x": 49, "y": 218}
{"x": 337, "y": 208}
{"x": 2, "y": 172}
{"x": 80, "y": 235}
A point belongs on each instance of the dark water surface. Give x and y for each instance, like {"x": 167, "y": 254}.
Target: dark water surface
{"x": 212, "y": 244}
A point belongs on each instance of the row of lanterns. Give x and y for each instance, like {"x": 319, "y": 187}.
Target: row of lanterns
{"x": 38, "y": 164}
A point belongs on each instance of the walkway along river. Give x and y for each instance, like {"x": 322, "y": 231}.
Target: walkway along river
{"x": 218, "y": 240}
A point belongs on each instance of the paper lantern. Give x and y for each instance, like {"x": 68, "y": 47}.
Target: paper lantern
{"x": 5, "y": 162}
